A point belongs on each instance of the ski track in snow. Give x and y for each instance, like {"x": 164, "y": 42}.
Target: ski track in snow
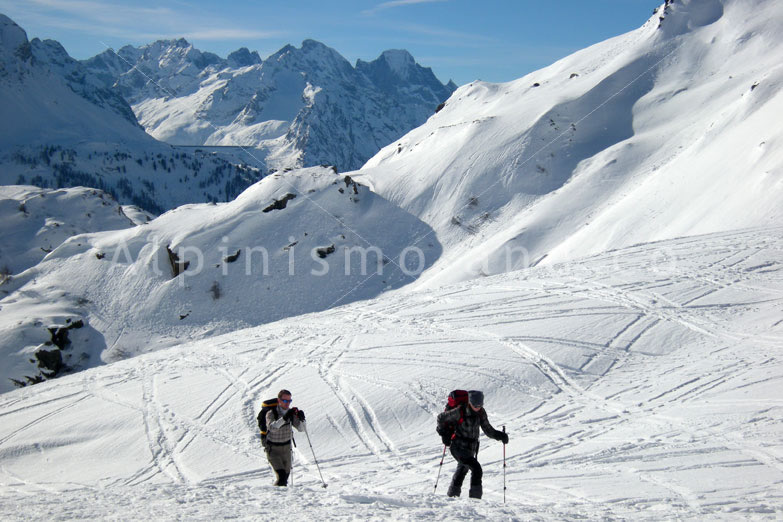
{"x": 601, "y": 427}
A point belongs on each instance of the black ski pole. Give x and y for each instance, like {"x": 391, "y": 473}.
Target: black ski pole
{"x": 440, "y": 468}
{"x": 504, "y": 467}
{"x": 323, "y": 482}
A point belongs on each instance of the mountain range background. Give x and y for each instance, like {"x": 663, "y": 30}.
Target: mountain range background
{"x": 607, "y": 221}
{"x": 301, "y": 107}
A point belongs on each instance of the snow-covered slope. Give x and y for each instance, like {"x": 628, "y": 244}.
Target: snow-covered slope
{"x": 641, "y": 384}
{"x": 300, "y": 107}
{"x": 293, "y": 243}
{"x": 666, "y": 131}
{"x": 47, "y": 96}
{"x": 62, "y": 127}
{"x": 35, "y": 221}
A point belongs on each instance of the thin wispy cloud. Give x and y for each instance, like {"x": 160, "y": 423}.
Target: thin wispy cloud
{"x": 104, "y": 12}
{"x": 448, "y": 36}
{"x": 133, "y": 22}
{"x": 398, "y": 3}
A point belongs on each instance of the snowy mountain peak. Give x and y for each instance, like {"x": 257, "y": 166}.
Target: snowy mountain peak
{"x": 395, "y": 72}
{"x": 179, "y": 52}
{"x": 50, "y": 52}
{"x": 300, "y": 107}
{"x": 399, "y": 61}
{"x": 676, "y": 18}
{"x": 243, "y": 58}
{"x": 11, "y": 35}
{"x": 315, "y": 58}
{"x": 39, "y": 102}
{"x": 397, "y": 68}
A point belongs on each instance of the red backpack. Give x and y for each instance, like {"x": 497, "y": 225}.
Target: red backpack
{"x": 457, "y": 399}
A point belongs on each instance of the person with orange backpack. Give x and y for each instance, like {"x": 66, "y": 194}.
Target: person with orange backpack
{"x": 275, "y": 421}
{"x": 458, "y": 427}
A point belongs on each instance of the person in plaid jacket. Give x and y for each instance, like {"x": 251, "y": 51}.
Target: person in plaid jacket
{"x": 280, "y": 422}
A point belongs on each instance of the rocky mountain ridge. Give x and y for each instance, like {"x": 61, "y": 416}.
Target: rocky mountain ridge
{"x": 301, "y": 106}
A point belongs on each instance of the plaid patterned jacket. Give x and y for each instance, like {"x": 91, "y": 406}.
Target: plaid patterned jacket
{"x": 280, "y": 431}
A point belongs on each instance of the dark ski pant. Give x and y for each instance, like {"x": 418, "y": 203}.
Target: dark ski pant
{"x": 466, "y": 461}
{"x": 279, "y": 457}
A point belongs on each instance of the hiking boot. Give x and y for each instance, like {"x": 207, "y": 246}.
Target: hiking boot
{"x": 282, "y": 477}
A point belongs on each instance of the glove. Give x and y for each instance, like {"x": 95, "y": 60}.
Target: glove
{"x": 446, "y": 440}
{"x": 301, "y": 415}
{"x": 504, "y": 438}
{"x": 289, "y": 415}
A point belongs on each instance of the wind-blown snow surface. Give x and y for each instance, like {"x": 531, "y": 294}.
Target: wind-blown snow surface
{"x": 666, "y": 131}
{"x": 642, "y": 383}
{"x": 292, "y": 243}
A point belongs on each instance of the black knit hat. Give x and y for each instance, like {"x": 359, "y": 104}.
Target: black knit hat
{"x": 476, "y": 398}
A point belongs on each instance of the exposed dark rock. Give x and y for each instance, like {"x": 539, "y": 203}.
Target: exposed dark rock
{"x": 280, "y": 204}
{"x": 177, "y": 266}
{"x": 324, "y": 251}
{"x": 232, "y": 257}
{"x": 35, "y": 379}
{"x": 349, "y": 182}
{"x": 50, "y": 362}
{"x": 59, "y": 334}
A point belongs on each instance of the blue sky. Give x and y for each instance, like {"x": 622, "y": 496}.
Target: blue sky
{"x": 463, "y": 40}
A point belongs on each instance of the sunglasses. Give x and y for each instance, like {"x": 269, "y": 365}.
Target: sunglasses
{"x": 286, "y": 400}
